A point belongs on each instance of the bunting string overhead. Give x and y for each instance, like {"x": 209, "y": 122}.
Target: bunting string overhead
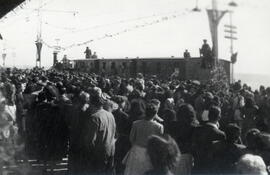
{"x": 161, "y": 19}
{"x": 123, "y": 21}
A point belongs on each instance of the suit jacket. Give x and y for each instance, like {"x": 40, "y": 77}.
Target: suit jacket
{"x": 99, "y": 131}
{"x": 202, "y": 141}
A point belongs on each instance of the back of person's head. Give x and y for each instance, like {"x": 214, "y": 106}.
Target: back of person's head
{"x": 249, "y": 102}
{"x": 186, "y": 113}
{"x": 150, "y": 111}
{"x": 214, "y": 114}
{"x": 251, "y": 164}
{"x": 163, "y": 152}
{"x": 97, "y": 101}
{"x": 155, "y": 102}
{"x": 252, "y": 138}
{"x": 216, "y": 101}
{"x": 84, "y": 97}
{"x": 110, "y": 106}
{"x": 232, "y": 132}
{"x": 137, "y": 107}
{"x": 264, "y": 144}
{"x": 169, "y": 103}
{"x": 120, "y": 100}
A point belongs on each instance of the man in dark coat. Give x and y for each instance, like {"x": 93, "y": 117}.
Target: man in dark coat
{"x": 99, "y": 132}
{"x": 227, "y": 152}
{"x": 203, "y": 139}
{"x": 123, "y": 126}
{"x": 79, "y": 115}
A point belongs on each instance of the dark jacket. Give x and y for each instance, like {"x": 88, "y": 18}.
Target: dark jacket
{"x": 225, "y": 155}
{"x": 182, "y": 133}
{"x": 202, "y": 142}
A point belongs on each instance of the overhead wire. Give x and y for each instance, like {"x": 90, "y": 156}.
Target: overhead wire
{"x": 123, "y": 31}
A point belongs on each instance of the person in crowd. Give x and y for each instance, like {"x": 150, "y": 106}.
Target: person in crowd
{"x": 137, "y": 107}
{"x": 227, "y": 152}
{"x": 156, "y": 102}
{"x": 202, "y": 141}
{"x": 258, "y": 143}
{"x": 169, "y": 114}
{"x": 251, "y": 164}
{"x": 77, "y": 150}
{"x": 164, "y": 155}
{"x": 99, "y": 134}
{"x": 137, "y": 160}
{"x": 238, "y": 102}
{"x": 208, "y": 102}
{"x": 182, "y": 131}
{"x": 250, "y": 113}
{"x": 123, "y": 126}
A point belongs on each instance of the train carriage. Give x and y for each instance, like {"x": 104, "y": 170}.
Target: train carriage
{"x": 188, "y": 68}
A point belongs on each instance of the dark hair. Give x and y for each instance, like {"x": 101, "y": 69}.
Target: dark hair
{"x": 155, "y": 102}
{"x": 163, "y": 152}
{"x": 97, "y": 101}
{"x": 186, "y": 114}
{"x": 249, "y": 102}
{"x": 252, "y": 138}
{"x": 232, "y": 132}
{"x": 150, "y": 111}
{"x": 214, "y": 113}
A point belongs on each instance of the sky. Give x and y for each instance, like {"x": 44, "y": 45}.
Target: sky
{"x": 73, "y": 23}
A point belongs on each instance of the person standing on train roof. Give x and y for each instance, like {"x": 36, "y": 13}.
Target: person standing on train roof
{"x": 186, "y": 54}
{"x": 94, "y": 55}
{"x": 88, "y": 53}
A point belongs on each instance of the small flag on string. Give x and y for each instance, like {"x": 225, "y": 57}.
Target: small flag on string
{"x": 1, "y": 38}
{"x": 234, "y": 57}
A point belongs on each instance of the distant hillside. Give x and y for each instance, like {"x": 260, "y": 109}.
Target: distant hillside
{"x": 254, "y": 80}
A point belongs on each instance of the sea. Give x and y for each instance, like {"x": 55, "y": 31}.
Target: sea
{"x": 253, "y": 80}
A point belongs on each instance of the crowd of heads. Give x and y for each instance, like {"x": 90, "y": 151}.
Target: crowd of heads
{"x": 165, "y": 101}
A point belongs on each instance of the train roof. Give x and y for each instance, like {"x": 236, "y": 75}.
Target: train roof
{"x": 146, "y": 58}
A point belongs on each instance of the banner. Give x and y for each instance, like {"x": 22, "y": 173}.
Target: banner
{"x": 39, "y": 46}
{"x": 234, "y": 58}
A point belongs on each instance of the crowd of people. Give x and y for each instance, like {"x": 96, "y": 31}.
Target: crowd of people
{"x": 136, "y": 126}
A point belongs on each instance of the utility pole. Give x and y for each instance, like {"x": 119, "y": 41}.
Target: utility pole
{"x": 4, "y": 55}
{"x": 56, "y": 51}
{"x": 39, "y": 41}
{"x": 231, "y": 31}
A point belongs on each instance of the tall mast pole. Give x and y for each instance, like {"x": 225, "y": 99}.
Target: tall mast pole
{"x": 214, "y": 16}
{"x": 39, "y": 35}
{"x": 231, "y": 31}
